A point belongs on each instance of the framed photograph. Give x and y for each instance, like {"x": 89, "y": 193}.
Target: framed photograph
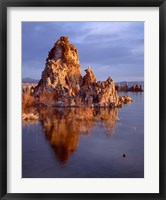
{"x": 82, "y": 99}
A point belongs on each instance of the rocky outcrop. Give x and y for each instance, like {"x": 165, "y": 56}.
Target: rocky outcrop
{"x": 89, "y": 77}
{"x": 125, "y": 99}
{"x": 125, "y": 88}
{"x": 30, "y": 116}
{"x": 62, "y": 73}
{"x": 63, "y": 81}
{"x": 136, "y": 88}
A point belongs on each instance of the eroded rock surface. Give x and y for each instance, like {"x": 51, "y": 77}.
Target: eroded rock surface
{"x": 63, "y": 85}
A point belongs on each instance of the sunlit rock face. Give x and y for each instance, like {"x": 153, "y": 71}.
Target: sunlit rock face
{"x": 62, "y": 72}
{"x": 89, "y": 77}
{"x": 62, "y": 84}
{"x": 63, "y": 127}
{"x": 100, "y": 94}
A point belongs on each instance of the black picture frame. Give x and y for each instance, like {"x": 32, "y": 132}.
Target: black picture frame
{"x": 4, "y": 4}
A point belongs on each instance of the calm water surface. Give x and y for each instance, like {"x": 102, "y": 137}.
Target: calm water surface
{"x": 85, "y": 143}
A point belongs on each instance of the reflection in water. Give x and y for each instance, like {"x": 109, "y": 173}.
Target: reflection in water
{"x": 62, "y": 127}
{"x": 78, "y": 143}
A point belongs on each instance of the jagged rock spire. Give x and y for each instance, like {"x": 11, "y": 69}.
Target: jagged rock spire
{"x": 89, "y": 77}
{"x": 62, "y": 69}
{"x": 62, "y": 78}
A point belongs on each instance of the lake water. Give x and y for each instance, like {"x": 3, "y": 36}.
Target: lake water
{"x": 85, "y": 143}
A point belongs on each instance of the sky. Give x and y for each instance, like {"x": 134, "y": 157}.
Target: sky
{"x": 113, "y": 49}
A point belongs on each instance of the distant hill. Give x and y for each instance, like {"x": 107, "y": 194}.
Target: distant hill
{"x": 29, "y": 80}
{"x": 131, "y": 83}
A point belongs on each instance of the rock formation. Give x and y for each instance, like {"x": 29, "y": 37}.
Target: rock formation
{"x": 136, "y": 88}
{"x": 89, "y": 78}
{"x": 125, "y": 88}
{"x": 63, "y": 80}
{"x": 62, "y": 72}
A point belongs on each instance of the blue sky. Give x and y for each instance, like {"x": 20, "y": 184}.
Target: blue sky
{"x": 113, "y": 49}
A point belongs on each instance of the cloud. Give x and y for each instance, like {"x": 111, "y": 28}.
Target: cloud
{"x": 109, "y": 47}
